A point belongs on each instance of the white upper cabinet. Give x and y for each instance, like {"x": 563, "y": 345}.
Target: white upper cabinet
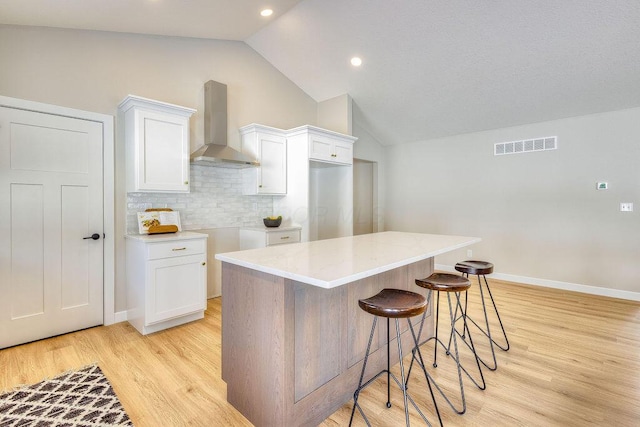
{"x": 330, "y": 148}
{"x": 157, "y": 145}
{"x": 320, "y": 189}
{"x": 326, "y": 146}
{"x": 268, "y": 146}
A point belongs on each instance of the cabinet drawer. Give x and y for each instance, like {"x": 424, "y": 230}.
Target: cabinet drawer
{"x": 176, "y": 248}
{"x": 279, "y": 237}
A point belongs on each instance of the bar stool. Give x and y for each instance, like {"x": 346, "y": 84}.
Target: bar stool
{"x": 449, "y": 283}
{"x": 482, "y": 268}
{"x": 396, "y": 304}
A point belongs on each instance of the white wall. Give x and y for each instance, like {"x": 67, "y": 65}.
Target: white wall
{"x": 94, "y": 71}
{"x": 539, "y": 214}
{"x": 336, "y": 114}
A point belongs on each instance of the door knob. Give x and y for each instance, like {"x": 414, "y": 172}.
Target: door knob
{"x": 94, "y": 236}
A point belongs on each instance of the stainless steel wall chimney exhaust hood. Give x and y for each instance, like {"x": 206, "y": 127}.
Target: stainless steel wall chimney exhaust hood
{"x": 215, "y": 151}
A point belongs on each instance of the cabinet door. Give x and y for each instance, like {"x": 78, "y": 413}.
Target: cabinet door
{"x": 343, "y": 152}
{"x": 175, "y": 287}
{"x": 320, "y": 148}
{"x": 326, "y": 149}
{"x": 163, "y": 152}
{"x": 272, "y": 173}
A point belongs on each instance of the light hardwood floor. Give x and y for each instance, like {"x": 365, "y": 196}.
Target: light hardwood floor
{"x": 574, "y": 361}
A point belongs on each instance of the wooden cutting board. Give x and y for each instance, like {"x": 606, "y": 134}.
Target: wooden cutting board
{"x": 159, "y": 229}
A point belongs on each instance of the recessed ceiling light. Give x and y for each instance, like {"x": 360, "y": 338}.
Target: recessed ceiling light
{"x": 356, "y": 62}
{"x": 266, "y": 12}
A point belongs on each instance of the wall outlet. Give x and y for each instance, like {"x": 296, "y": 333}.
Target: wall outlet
{"x": 626, "y": 207}
{"x": 469, "y": 253}
{"x": 255, "y": 206}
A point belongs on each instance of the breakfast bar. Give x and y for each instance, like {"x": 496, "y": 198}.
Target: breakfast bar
{"x": 293, "y": 337}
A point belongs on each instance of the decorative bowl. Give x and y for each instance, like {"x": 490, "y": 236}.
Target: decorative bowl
{"x": 268, "y": 222}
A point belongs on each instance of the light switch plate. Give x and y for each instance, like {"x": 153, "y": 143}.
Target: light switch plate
{"x": 626, "y": 207}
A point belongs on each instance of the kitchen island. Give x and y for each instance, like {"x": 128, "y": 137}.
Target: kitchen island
{"x": 293, "y": 336}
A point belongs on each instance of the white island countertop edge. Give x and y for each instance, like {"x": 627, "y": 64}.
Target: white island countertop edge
{"x": 334, "y": 262}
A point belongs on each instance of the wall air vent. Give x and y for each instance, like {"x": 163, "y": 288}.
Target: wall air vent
{"x": 526, "y": 145}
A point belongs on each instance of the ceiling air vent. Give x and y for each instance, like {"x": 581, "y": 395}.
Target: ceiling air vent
{"x": 526, "y": 145}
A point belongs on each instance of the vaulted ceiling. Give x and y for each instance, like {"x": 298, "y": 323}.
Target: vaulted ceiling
{"x": 430, "y": 68}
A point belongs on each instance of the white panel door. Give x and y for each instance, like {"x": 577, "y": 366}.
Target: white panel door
{"x": 51, "y": 276}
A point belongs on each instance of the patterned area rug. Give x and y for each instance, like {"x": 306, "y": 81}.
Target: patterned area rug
{"x": 77, "y": 398}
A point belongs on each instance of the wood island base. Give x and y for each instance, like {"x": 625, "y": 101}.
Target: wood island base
{"x": 292, "y": 352}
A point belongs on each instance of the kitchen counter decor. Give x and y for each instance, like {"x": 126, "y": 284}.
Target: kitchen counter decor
{"x": 272, "y": 221}
{"x": 158, "y": 221}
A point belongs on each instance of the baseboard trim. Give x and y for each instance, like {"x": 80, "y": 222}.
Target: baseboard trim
{"x": 586, "y": 289}
{"x": 120, "y": 316}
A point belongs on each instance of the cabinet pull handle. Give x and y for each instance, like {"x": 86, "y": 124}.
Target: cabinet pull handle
{"x": 178, "y": 249}
{"x": 204, "y": 263}
{"x": 186, "y": 183}
{"x": 284, "y": 238}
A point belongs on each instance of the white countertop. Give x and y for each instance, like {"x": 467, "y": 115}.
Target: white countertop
{"x": 335, "y": 262}
{"x": 264, "y": 228}
{"x": 163, "y": 237}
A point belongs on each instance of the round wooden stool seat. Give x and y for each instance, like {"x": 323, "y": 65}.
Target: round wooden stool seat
{"x": 474, "y": 267}
{"x": 394, "y": 303}
{"x": 445, "y": 282}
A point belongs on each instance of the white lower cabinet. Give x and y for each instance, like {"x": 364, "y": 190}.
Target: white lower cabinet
{"x": 166, "y": 280}
{"x": 260, "y": 237}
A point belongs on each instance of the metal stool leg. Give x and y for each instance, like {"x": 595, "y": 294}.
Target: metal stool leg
{"x": 416, "y": 349}
{"x": 389, "y": 366}
{"x": 356, "y": 394}
{"x": 456, "y": 356}
{"x": 487, "y": 328}
{"x": 466, "y": 334}
{"x": 401, "y": 384}
{"x": 504, "y": 333}
{"x": 435, "y": 348}
{"x": 424, "y": 316}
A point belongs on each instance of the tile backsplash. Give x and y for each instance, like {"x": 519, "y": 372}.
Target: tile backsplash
{"x": 215, "y": 201}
